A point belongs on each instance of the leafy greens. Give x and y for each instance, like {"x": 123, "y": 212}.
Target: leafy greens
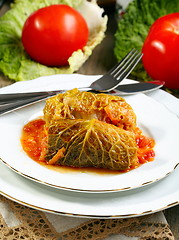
{"x": 14, "y": 61}
{"x": 134, "y": 25}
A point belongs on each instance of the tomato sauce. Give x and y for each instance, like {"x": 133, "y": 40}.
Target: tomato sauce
{"x": 145, "y": 145}
{"x": 33, "y": 136}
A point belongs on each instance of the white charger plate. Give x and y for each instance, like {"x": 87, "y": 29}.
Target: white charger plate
{"x": 149, "y": 199}
{"x": 153, "y": 118}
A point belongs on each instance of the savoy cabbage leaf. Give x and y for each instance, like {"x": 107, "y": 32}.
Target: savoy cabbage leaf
{"x": 134, "y": 25}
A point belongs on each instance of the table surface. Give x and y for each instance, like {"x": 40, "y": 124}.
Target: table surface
{"x": 99, "y": 62}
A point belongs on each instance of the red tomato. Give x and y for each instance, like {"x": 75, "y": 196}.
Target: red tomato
{"x": 51, "y": 34}
{"x": 161, "y": 50}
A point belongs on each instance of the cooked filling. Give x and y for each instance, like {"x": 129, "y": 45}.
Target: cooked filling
{"x": 82, "y": 129}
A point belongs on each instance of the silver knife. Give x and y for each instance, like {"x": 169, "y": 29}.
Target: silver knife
{"x": 13, "y": 101}
{"x": 141, "y": 87}
{"x": 132, "y": 88}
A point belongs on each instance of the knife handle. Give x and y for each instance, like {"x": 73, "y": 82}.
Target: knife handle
{"x": 10, "y": 97}
{"x": 11, "y": 106}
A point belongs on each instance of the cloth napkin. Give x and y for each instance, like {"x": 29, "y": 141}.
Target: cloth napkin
{"x": 21, "y": 222}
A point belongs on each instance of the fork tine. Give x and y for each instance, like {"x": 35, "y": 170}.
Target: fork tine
{"x": 126, "y": 69}
{"x": 125, "y": 62}
{"x": 119, "y": 64}
{"x": 121, "y": 70}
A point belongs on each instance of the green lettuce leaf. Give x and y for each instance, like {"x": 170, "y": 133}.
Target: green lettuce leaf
{"x": 15, "y": 62}
{"x": 133, "y": 28}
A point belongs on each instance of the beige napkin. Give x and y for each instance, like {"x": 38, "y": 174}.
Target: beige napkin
{"x": 21, "y": 222}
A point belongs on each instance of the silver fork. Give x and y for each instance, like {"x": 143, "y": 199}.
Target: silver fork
{"x": 120, "y": 71}
{"x": 108, "y": 82}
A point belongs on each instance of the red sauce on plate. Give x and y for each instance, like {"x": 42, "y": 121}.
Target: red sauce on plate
{"x": 33, "y": 135}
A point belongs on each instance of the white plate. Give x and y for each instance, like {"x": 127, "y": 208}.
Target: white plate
{"x": 149, "y": 199}
{"x": 153, "y": 118}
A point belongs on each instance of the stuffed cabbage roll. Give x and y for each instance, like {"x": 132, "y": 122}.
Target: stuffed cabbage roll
{"x": 85, "y": 129}
{"x": 75, "y": 104}
{"x": 89, "y": 143}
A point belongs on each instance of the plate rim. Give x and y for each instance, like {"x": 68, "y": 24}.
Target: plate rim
{"x": 75, "y": 189}
{"x": 82, "y": 215}
{"x": 88, "y": 215}
{"x": 83, "y": 190}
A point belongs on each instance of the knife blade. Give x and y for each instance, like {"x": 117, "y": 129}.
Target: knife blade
{"x": 13, "y": 101}
{"x": 11, "y": 106}
{"x": 138, "y": 87}
{"x": 132, "y": 88}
